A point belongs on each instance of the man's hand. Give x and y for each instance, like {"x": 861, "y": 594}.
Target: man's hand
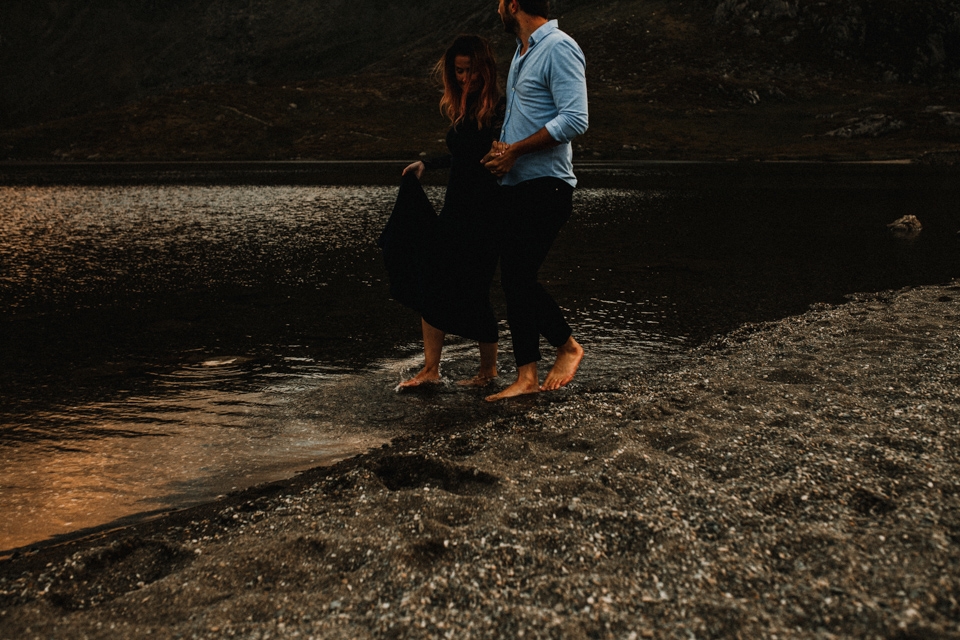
{"x": 500, "y": 159}
{"x": 503, "y": 156}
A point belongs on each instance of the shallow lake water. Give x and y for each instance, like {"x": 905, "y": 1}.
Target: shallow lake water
{"x": 162, "y": 345}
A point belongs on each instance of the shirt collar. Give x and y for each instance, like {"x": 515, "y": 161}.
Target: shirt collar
{"x": 541, "y": 33}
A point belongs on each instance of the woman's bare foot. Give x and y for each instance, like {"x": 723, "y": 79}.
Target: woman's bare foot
{"x": 479, "y": 380}
{"x": 432, "y": 348}
{"x": 568, "y": 361}
{"x": 426, "y": 376}
{"x": 488, "y": 366}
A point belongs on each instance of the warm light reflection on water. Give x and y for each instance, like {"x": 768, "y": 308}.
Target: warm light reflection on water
{"x": 184, "y": 445}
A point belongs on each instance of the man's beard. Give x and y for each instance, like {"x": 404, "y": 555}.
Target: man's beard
{"x": 510, "y": 23}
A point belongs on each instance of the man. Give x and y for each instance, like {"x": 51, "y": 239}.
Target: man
{"x": 546, "y": 109}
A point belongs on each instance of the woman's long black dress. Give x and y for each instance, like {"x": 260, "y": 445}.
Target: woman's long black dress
{"x": 457, "y": 287}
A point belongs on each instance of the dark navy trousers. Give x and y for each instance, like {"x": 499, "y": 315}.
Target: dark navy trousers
{"x": 534, "y": 213}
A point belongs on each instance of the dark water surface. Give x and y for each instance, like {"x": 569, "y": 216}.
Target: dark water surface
{"x": 162, "y": 344}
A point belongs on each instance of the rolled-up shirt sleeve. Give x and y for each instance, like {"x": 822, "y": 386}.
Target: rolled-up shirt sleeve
{"x": 568, "y": 84}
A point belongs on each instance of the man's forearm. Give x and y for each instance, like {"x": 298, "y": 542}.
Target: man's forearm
{"x": 537, "y": 142}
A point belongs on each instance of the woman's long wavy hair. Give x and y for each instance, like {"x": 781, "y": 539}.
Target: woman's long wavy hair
{"x": 454, "y": 103}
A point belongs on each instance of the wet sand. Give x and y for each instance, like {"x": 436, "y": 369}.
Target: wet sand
{"x": 799, "y": 478}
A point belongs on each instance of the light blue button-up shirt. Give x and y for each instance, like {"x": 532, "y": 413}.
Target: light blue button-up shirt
{"x": 546, "y": 87}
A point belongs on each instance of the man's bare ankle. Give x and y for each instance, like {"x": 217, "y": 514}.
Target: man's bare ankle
{"x": 570, "y": 346}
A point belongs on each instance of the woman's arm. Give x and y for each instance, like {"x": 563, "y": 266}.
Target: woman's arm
{"x": 416, "y": 168}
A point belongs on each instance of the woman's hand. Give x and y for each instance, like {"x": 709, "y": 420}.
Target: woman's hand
{"x": 417, "y": 169}
{"x": 496, "y": 149}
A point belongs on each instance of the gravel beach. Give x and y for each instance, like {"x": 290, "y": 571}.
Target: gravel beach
{"x": 794, "y": 479}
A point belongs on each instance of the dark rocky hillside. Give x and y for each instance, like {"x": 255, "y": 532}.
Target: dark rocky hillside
{"x": 261, "y": 79}
{"x": 899, "y": 40}
{"x": 69, "y": 56}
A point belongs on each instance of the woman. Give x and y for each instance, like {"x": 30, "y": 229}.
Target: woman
{"x": 456, "y": 287}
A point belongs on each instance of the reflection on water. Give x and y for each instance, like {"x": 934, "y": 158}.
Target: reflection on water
{"x": 160, "y": 345}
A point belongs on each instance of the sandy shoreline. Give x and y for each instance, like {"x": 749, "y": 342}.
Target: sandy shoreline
{"x": 799, "y": 478}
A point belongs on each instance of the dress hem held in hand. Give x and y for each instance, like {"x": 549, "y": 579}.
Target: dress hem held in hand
{"x": 407, "y": 240}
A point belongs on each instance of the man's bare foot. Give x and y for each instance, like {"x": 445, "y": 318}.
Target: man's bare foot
{"x": 518, "y": 388}
{"x": 568, "y": 361}
{"x": 479, "y": 380}
{"x": 527, "y": 382}
{"x": 424, "y": 377}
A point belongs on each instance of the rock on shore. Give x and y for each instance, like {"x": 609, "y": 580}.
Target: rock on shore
{"x": 795, "y": 479}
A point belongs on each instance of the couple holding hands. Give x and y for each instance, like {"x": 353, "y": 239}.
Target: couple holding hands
{"x": 510, "y": 191}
